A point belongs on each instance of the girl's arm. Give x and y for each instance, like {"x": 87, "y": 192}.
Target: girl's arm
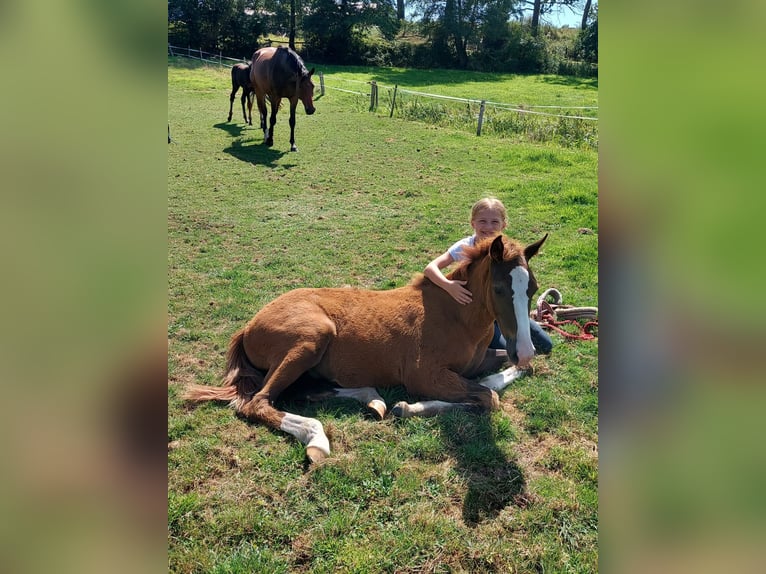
{"x": 454, "y": 288}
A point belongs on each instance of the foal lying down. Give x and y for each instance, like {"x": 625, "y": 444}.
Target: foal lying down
{"x": 360, "y": 340}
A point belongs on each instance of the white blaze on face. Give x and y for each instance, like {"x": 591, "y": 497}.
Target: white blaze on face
{"x": 519, "y": 283}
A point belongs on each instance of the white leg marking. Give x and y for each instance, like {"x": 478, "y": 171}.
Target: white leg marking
{"x": 524, "y": 347}
{"x": 422, "y": 408}
{"x": 365, "y": 395}
{"x": 499, "y": 381}
{"x": 307, "y": 430}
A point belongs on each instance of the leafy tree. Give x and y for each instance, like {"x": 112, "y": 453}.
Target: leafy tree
{"x": 230, "y": 26}
{"x": 541, "y": 8}
{"x": 334, "y": 28}
{"x": 586, "y": 45}
{"x": 454, "y": 25}
{"x": 585, "y": 14}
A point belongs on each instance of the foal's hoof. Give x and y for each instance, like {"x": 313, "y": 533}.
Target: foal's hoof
{"x": 293, "y": 148}
{"x": 315, "y": 454}
{"x": 401, "y": 410}
{"x": 377, "y": 408}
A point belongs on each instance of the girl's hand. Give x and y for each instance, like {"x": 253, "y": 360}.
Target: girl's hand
{"x": 459, "y": 293}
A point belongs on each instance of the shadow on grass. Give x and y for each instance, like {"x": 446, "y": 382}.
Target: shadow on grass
{"x": 493, "y": 480}
{"x": 572, "y": 82}
{"x": 251, "y": 150}
{"x": 256, "y": 154}
{"x": 235, "y": 129}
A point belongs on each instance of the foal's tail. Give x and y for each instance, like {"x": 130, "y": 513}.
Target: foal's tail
{"x": 241, "y": 382}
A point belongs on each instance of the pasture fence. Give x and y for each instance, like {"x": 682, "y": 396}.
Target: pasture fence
{"x": 572, "y": 126}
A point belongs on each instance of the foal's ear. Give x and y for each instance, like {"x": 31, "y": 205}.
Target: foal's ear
{"x": 497, "y": 249}
{"x": 532, "y": 249}
{"x": 311, "y": 72}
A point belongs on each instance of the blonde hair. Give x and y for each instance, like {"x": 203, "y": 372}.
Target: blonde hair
{"x": 489, "y": 203}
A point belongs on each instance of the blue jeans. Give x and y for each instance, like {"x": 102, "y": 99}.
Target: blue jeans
{"x": 540, "y": 339}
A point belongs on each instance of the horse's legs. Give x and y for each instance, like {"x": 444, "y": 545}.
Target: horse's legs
{"x": 452, "y": 392}
{"x": 231, "y": 101}
{"x": 424, "y": 409}
{"x": 274, "y": 109}
{"x": 242, "y": 100}
{"x": 262, "y": 111}
{"x": 367, "y": 396}
{"x": 293, "y": 104}
{"x": 250, "y": 97}
{"x": 300, "y": 358}
{"x": 498, "y": 381}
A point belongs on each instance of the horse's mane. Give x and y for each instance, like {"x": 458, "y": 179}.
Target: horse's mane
{"x": 297, "y": 63}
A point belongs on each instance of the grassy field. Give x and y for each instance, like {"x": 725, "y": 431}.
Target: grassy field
{"x": 367, "y": 201}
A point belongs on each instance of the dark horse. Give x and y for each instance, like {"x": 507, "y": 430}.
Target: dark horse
{"x": 240, "y": 78}
{"x": 359, "y": 339}
{"x": 280, "y": 73}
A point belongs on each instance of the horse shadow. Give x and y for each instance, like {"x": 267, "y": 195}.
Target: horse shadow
{"x": 232, "y": 128}
{"x": 493, "y": 480}
{"x": 247, "y": 151}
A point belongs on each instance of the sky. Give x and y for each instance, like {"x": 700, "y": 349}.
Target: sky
{"x": 565, "y": 17}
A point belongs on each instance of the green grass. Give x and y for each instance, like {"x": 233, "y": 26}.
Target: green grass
{"x": 544, "y": 94}
{"x": 368, "y": 201}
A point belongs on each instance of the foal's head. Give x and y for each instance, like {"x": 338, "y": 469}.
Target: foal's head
{"x": 513, "y": 285}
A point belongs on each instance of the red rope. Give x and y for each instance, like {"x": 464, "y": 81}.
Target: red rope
{"x": 547, "y": 319}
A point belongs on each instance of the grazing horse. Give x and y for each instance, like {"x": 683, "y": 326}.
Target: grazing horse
{"x": 280, "y": 73}
{"x": 240, "y": 78}
{"x": 358, "y": 339}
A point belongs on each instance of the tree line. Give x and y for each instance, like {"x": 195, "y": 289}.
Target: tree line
{"x": 485, "y": 35}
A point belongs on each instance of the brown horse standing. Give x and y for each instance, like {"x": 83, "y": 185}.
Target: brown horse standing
{"x": 280, "y": 73}
{"x": 416, "y": 336}
{"x": 240, "y": 78}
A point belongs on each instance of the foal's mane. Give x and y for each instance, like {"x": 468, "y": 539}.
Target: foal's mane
{"x": 474, "y": 253}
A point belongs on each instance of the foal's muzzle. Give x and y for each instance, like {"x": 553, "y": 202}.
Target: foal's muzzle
{"x": 510, "y": 348}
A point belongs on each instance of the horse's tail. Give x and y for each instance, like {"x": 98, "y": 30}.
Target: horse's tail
{"x": 240, "y": 383}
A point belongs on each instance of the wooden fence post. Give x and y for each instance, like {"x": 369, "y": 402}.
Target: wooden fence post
{"x": 481, "y": 118}
{"x": 373, "y": 94}
{"x": 321, "y": 83}
{"x": 393, "y": 101}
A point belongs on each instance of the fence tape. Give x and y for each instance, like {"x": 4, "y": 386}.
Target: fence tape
{"x": 497, "y": 105}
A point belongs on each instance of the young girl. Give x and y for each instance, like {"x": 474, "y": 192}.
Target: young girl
{"x": 488, "y": 219}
